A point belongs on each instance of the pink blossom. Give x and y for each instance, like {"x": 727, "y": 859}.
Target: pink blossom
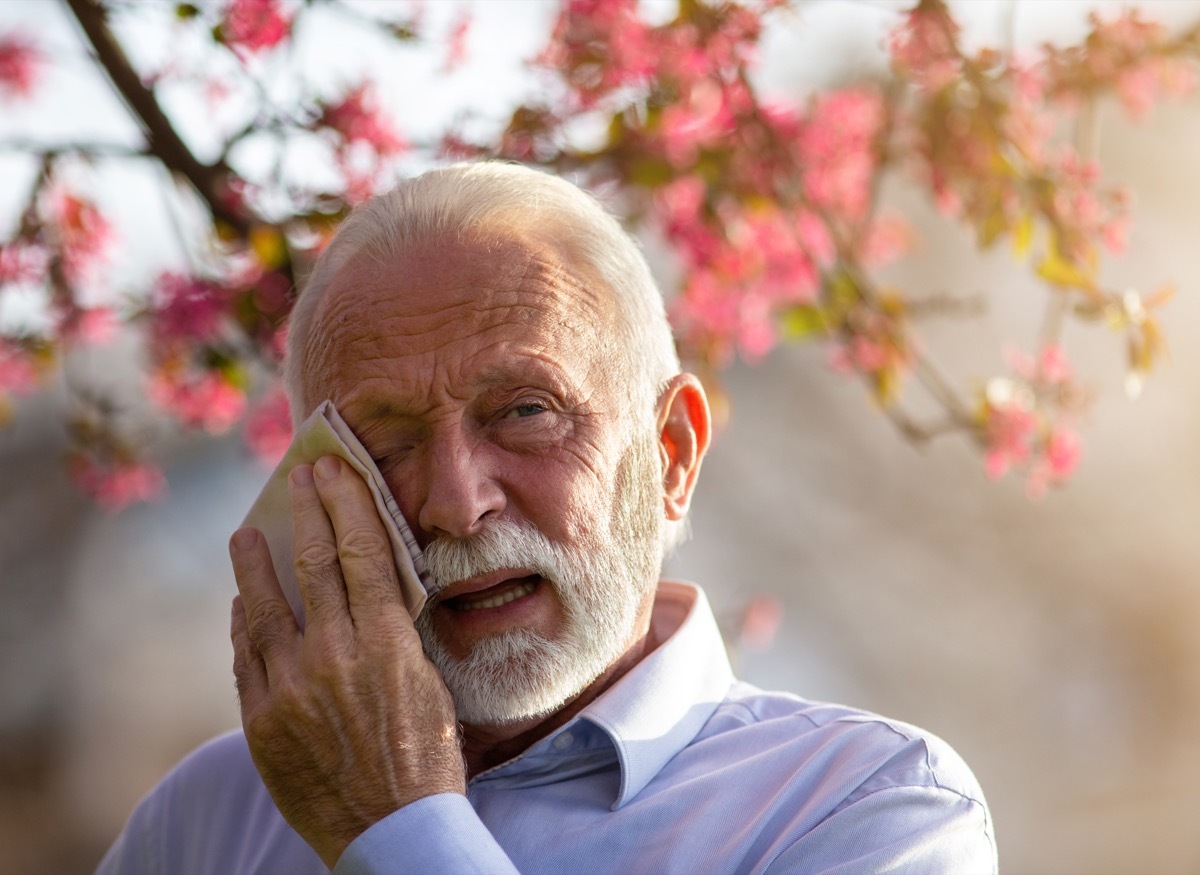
{"x": 1050, "y": 369}
{"x": 1115, "y": 234}
{"x": 93, "y": 326}
{"x": 252, "y": 26}
{"x": 204, "y": 401}
{"x": 1008, "y": 436}
{"x": 22, "y": 263}
{"x": 700, "y": 120}
{"x": 711, "y": 313}
{"x": 947, "y": 200}
{"x": 681, "y": 209}
{"x": 116, "y": 484}
{"x": 456, "y": 43}
{"x": 18, "y": 373}
{"x": 1053, "y": 366}
{"x": 1128, "y": 34}
{"x": 1137, "y": 86}
{"x": 886, "y": 239}
{"x": 1056, "y": 462}
{"x": 187, "y": 309}
{"x": 760, "y": 622}
{"x": 837, "y": 150}
{"x": 82, "y": 233}
{"x": 269, "y": 428}
{"x": 20, "y": 59}
{"x": 600, "y": 46}
{"x": 860, "y": 354}
{"x": 358, "y": 119}
{"x": 1062, "y": 452}
{"x": 814, "y": 237}
{"x": 923, "y": 48}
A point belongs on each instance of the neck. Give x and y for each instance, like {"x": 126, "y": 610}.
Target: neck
{"x": 485, "y": 747}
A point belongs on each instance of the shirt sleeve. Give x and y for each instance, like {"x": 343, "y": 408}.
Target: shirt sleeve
{"x": 918, "y": 830}
{"x": 439, "y": 833}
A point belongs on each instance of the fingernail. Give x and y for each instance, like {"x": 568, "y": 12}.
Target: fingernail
{"x": 244, "y": 539}
{"x": 327, "y": 467}
{"x": 302, "y": 474}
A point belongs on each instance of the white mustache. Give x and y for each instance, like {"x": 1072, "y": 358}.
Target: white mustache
{"x": 503, "y": 544}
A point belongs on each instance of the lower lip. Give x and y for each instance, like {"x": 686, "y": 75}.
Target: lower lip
{"x": 460, "y": 630}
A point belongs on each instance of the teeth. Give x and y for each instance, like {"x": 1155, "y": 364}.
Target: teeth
{"x": 496, "y": 601}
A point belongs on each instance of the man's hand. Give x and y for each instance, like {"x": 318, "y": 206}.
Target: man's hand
{"x": 347, "y": 721}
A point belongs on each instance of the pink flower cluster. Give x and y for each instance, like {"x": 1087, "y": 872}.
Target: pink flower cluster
{"x": 252, "y": 26}
{"x": 456, "y": 42}
{"x": 186, "y": 310}
{"x": 188, "y": 318}
{"x": 364, "y": 137}
{"x": 18, "y": 372}
{"x": 90, "y": 326}
{"x": 874, "y": 343}
{"x": 836, "y": 149}
{"x": 115, "y": 484}
{"x": 269, "y": 427}
{"x": 20, "y": 59}
{"x": 1081, "y": 212}
{"x": 82, "y": 235}
{"x": 600, "y": 46}
{"x": 1025, "y": 421}
{"x": 759, "y": 623}
{"x": 205, "y": 399}
{"x": 22, "y": 262}
{"x": 742, "y": 266}
{"x": 924, "y": 48}
{"x": 1125, "y": 52}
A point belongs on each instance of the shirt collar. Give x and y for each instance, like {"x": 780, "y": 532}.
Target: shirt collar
{"x": 657, "y": 708}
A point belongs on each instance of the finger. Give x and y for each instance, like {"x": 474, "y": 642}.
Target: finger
{"x": 270, "y": 623}
{"x": 368, "y": 566}
{"x": 318, "y": 571}
{"x": 249, "y": 670}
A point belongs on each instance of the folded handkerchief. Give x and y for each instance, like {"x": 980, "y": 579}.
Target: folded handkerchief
{"x": 325, "y": 433}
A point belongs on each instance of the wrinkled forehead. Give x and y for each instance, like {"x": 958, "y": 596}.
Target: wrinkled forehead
{"x": 487, "y": 286}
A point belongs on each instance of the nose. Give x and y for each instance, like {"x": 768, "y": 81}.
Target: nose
{"x": 461, "y": 491}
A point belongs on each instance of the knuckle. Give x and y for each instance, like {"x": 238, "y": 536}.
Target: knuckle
{"x": 316, "y": 562}
{"x": 267, "y": 624}
{"x": 362, "y": 542}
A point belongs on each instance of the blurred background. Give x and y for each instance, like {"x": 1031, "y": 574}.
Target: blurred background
{"x": 1055, "y": 644}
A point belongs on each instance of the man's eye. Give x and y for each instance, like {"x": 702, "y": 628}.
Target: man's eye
{"x": 523, "y": 410}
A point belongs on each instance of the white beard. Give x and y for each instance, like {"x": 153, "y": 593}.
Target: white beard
{"x": 601, "y": 585}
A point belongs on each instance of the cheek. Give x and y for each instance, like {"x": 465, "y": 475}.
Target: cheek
{"x": 567, "y": 502}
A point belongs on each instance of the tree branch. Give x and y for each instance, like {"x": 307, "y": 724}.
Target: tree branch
{"x": 162, "y": 140}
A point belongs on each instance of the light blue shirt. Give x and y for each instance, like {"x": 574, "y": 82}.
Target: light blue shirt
{"x": 677, "y": 768}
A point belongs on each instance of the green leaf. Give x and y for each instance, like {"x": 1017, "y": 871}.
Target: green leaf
{"x": 186, "y": 11}
{"x": 1061, "y": 272}
{"x": 803, "y": 321}
{"x": 1023, "y": 236}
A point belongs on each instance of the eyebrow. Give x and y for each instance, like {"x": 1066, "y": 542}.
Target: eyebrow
{"x": 380, "y": 408}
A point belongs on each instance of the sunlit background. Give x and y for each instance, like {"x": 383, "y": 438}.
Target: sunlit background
{"x": 1055, "y": 644}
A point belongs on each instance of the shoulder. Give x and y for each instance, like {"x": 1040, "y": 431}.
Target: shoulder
{"x": 211, "y": 813}
{"x": 821, "y": 781}
{"x": 867, "y": 749}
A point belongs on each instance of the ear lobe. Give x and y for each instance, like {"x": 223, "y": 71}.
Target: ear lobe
{"x": 685, "y": 430}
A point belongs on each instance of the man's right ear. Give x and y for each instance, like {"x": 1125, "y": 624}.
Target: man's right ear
{"x": 684, "y": 432}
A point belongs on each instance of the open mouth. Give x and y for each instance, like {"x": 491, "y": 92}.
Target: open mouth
{"x": 495, "y": 596}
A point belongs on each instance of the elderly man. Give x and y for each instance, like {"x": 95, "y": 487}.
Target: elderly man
{"x": 496, "y": 343}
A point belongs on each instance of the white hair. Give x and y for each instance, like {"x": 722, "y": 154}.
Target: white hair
{"x": 490, "y": 197}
